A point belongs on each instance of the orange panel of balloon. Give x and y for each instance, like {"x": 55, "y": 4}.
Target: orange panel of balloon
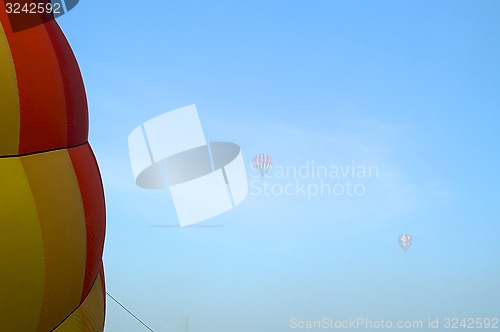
{"x": 52, "y": 210}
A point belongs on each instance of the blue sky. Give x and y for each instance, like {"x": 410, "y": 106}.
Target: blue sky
{"x": 408, "y": 86}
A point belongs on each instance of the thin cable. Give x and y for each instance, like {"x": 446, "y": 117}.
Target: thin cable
{"x": 131, "y": 314}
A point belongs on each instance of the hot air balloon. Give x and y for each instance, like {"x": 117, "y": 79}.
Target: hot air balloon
{"x": 262, "y": 163}
{"x": 405, "y": 241}
{"x": 52, "y": 210}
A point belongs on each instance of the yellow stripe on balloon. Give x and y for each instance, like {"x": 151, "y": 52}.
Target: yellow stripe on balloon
{"x": 93, "y": 307}
{"x": 90, "y": 315}
{"x": 62, "y": 220}
{"x": 22, "y": 258}
{"x": 9, "y": 98}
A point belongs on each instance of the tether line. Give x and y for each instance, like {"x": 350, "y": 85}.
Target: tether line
{"x": 130, "y": 313}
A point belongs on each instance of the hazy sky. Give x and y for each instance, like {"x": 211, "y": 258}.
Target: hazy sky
{"x": 409, "y": 87}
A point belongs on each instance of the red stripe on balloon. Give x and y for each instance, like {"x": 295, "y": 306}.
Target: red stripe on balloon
{"x": 92, "y": 194}
{"x": 74, "y": 90}
{"x": 53, "y": 106}
{"x": 41, "y": 92}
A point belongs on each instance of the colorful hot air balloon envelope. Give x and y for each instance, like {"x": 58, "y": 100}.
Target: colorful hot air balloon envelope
{"x": 405, "y": 241}
{"x": 262, "y": 163}
{"x": 52, "y": 211}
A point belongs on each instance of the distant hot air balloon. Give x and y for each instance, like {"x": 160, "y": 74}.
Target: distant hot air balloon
{"x": 262, "y": 163}
{"x": 52, "y": 211}
{"x": 405, "y": 241}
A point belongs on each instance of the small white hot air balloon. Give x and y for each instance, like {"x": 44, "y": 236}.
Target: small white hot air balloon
{"x": 405, "y": 241}
{"x": 262, "y": 163}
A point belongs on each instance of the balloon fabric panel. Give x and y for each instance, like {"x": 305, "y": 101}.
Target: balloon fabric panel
{"x": 52, "y": 111}
{"x": 92, "y": 195}
{"x": 9, "y": 97}
{"x": 62, "y": 220}
{"x": 55, "y": 203}
{"x": 85, "y": 318}
{"x": 21, "y": 245}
